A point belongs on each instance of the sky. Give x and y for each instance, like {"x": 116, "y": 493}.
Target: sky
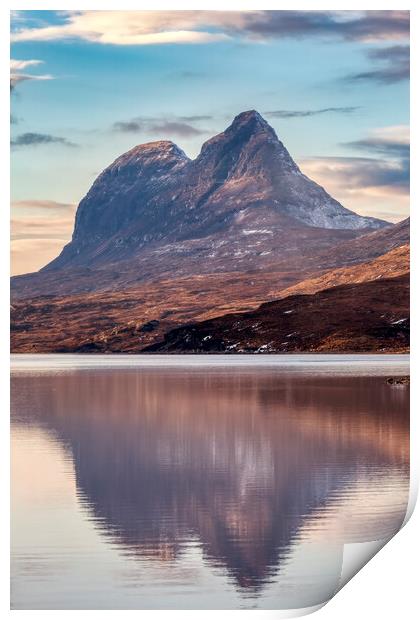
{"x": 87, "y": 86}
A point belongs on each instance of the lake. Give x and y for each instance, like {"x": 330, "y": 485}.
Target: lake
{"x": 201, "y": 482}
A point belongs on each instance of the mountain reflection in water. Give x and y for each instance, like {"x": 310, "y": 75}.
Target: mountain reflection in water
{"x": 249, "y": 465}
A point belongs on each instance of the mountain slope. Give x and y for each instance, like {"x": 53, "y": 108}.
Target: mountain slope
{"x": 371, "y": 316}
{"x": 133, "y": 319}
{"x": 394, "y": 263}
{"x": 368, "y": 246}
{"x": 312, "y": 260}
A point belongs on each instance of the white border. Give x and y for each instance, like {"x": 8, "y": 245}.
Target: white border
{"x": 387, "y": 586}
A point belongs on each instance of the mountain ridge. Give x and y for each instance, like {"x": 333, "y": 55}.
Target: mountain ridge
{"x": 154, "y": 193}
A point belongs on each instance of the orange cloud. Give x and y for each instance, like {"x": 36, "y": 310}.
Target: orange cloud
{"x": 28, "y": 255}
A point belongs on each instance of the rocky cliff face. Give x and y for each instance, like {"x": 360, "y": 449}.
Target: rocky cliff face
{"x": 243, "y": 185}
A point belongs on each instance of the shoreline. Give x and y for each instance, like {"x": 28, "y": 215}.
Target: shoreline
{"x": 380, "y": 364}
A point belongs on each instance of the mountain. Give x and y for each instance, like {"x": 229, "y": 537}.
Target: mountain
{"x": 369, "y": 316}
{"x": 243, "y": 181}
{"x": 161, "y": 241}
{"x": 242, "y": 204}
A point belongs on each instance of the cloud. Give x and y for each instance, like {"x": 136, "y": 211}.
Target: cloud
{"x": 129, "y": 27}
{"x": 192, "y": 119}
{"x": 305, "y": 113}
{"x": 391, "y": 142}
{"x": 367, "y": 26}
{"x": 396, "y": 53}
{"x": 35, "y": 139}
{"x": 395, "y": 61}
{"x": 49, "y": 205}
{"x": 39, "y": 230}
{"x": 175, "y": 127}
{"x": 16, "y": 66}
{"x": 363, "y": 172}
{"x": 369, "y": 186}
{"x": 16, "y": 78}
{"x": 28, "y": 255}
{"x": 169, "y": 27}
{"x": 376, "y": 185}
{"x": 128, "y": 126}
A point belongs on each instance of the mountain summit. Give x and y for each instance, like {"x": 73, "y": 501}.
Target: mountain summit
{"x": 153, "y": 201}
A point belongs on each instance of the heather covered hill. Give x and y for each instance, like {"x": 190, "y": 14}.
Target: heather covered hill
{"x": 394, "y": 263}
{"x": 131, "y": 320}
{"x": 370, "y": 316}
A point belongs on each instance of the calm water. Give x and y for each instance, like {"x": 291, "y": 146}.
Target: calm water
{"x": 200, "y": 482}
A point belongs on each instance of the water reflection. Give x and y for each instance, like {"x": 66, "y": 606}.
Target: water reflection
{"x": 250, "y": 465}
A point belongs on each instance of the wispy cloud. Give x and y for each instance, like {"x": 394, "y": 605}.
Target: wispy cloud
{"x": 36, "y": 139}
{"x": 179, "y": 126}
{"x": 379, "y": 183}
{"x": 391, "y": 142}
{"x": 305, "y": 113}
{"x": 367, "y": 26}
{"x": 29, "y": 255}
{"x": 161, "y": 27}
{"x": 16, "y": 75}
{"x": 361, "y": 172}
{"x": 39, "y": 230}
{"x": 394, "y": 66}
{"x": 175, "y": 128}
{"x": 16, "y": 78}
{"x": 129, "y": 27}
{"x": 192, "y": 119}
{"x": 367, "y": 185}
{"x": 19, "y": 65}
{"x": 128, "y": 126}
{"x": 48, "y": 205}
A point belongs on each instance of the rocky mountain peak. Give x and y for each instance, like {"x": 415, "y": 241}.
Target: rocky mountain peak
{"x": 162, "y": 154}
{"x": 250, "y": 119}
{"x": 248, "y": 147}
{"x": 244, "y": 183}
